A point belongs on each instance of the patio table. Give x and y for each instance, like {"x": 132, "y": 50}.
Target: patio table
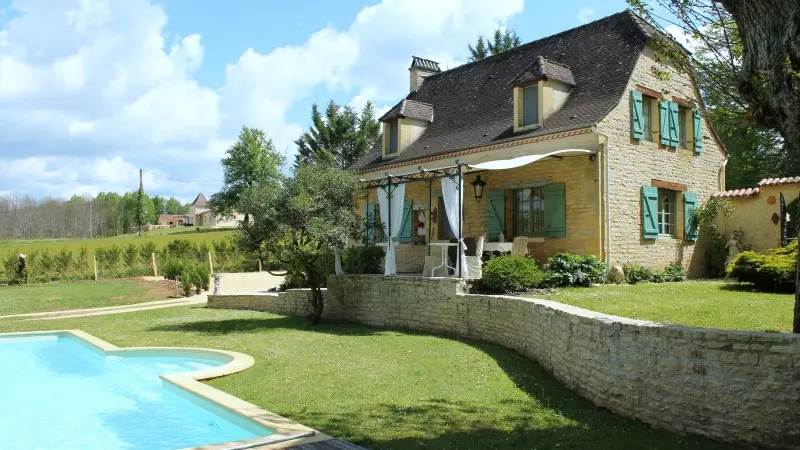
{"x": 443, "y": 246}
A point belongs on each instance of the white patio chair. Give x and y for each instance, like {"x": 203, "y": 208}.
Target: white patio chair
{"x": 475, "y": 262}
{"x": 519, "y": 247}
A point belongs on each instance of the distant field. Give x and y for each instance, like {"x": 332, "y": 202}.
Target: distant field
{"x": 159, "y": 237}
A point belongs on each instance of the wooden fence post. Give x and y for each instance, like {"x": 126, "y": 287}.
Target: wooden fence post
{"x": 155, "y": 268}
{"x": 94, "y": 258}
{"x": 259, "y": 264}
{"x": 210, "y": 269}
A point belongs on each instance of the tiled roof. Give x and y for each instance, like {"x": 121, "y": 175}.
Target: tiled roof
{"x": 200, "y": 200}
{"x": 425, "y": 64}
{"x": 749, "y": 192}
{"x": 777, "y": 181}
{"x": 410, "y": 108}
{"x": 474, "y": 102}
{"x": 545, "y": 69}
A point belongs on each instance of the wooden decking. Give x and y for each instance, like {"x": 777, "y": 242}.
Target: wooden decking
{"x": 333, "y": 444}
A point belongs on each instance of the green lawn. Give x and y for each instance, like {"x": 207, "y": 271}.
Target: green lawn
{"x": 159, "y": 237}
{"x": 55, "y": 297}
{"x": 385, "y": 389}
{"x": 712, "y": 304}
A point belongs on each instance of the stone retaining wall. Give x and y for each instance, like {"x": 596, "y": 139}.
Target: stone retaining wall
{"x": 729, "y": 385}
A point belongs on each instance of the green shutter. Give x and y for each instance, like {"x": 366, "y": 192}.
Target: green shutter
{"x": 496, "y": 218}
{"x": 406, "y": 228}
{"x": 674, "y": 125}
{"x": 663, "y": 122}
{"x": 697, "y": 122}
{"x": 555, "y": 205}
{"x": 690, "y": 230}
{"x": 649, "y": 212}
{"x": 637, "y": 115}
{"x": 369, "y": 223}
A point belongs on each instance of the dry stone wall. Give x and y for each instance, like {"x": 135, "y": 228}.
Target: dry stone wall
{"x": 733, "y": 386}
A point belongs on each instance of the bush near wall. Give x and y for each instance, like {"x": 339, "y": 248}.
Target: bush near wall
{"x": 357, "y": 260}
{"x": 635, "y": 273}
{"x": 565, "y": 269}
{"x": 510, "y": 274}
{"x": 770, "y": 272}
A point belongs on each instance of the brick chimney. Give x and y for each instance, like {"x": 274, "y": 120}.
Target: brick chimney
{"x": 421, "y": 68}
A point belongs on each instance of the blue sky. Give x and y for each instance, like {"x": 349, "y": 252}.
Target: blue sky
{"x": 92, "y": 90}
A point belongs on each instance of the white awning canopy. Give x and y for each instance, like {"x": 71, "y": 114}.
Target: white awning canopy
{"x": 502, "y": 164}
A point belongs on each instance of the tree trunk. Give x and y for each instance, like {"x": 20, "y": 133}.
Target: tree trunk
{"x": 315, "y": 300}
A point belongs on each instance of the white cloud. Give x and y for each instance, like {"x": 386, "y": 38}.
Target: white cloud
{"x": 93, "y": 88}
{"x": 585, "y": 14}
{"x": 683, "y": 38}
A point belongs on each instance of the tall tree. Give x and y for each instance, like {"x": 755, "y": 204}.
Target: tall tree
{"x": 502, "y": 40}
{"x": 140, "y": 209}
{"x": 767, "y": 73}
{"x": 159, "y": 205}
{"x": 250, "y": 162}
{"x": 339, "y": 138}
{"x": 174, "y": 206}
{"x": 301, "y": 223}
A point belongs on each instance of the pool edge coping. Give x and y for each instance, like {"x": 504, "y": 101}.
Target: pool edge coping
{"x": 191, "y": 382}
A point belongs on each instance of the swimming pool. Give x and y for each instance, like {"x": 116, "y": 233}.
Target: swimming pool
{"x": 59, "y": 391}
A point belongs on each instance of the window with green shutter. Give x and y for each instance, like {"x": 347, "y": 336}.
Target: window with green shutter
{"x": 555, "y": 214}
{"x": 697, "y": 122}
{"x": 663, "y": 122}
{"x": 674, "y": 125}
{"x": 369, "y": 223}
{"x": 649, "y": 212}
{"x": 406, "y": 227}
{"x": 637, "y": 115}
{"x": 496, "y": 219}
{"x": 690, "y": 229}
{"x": 540, "y": 211}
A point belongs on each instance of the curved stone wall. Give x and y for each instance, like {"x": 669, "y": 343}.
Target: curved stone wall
{"x": 733, "y": 386}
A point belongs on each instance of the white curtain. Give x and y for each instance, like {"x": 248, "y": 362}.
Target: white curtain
{"x": 398, "y": 192}
{"x": 450, "y": 194}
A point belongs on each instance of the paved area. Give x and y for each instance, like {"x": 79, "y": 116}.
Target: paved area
{"x": 247, "y": 283}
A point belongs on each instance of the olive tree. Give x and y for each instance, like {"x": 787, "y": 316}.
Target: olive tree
{"x": 304, "y": 221}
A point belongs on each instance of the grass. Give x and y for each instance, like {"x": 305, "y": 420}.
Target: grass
{"x": 712, "y": 304}
{"x": 58, "y": 297}
{"x": 385, "y": 389}
{"x": 159, "y": 237}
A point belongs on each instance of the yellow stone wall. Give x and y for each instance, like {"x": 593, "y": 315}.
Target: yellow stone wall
{"x": 636, "y": 163}
{"x": 753, "y": 216}
{"x": 579, "y": 175}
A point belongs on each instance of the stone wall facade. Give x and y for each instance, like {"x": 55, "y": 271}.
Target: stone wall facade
{"x": 635, "y": 163}
{"x": 735, "y": 386}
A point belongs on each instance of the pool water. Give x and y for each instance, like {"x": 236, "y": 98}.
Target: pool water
{"x": 57, "y": 391}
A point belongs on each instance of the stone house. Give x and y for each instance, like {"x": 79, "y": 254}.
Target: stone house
{"x": 614, "y": 145}
{"x": 201, "y": 215}
{"x": 766, "y": 215}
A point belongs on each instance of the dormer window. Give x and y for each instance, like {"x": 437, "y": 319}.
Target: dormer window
{"x": 409, "y": 118}
{"x": 530, "y": 108}
{"x": 392, "y": 137}
{"x": 540, "y": 90}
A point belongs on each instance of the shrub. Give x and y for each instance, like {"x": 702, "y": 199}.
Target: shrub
{"x": 172, "y": 268}
{"x": 146, "y": 250}
{"x": 130, "y": 254}
{"x": 202, "y": 277}
{"x": 511, "y": 274}
{"x": 674, "y": 273}
{"x": 181, "y": 248}
{"x": 565, "y": 269}
{"x": 83, "y": 259}
{"x": 362, "y": 260}
{"x": 770, "y": 272}
{"x": 187, "y": 280}
{"x": 63, "y": 260}
{"x": 635, "y": 273}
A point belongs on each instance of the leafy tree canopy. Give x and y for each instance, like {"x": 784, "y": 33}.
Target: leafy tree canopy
{"x": 501, "y": 41}
{"x": 340, "y": 137}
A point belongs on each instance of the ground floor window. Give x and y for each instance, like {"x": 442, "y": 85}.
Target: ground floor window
{"x": 667, "y": 212}
{"x": 529, "y": 211}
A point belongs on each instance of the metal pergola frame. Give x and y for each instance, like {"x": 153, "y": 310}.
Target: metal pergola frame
{"x": 430, "y": 175}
